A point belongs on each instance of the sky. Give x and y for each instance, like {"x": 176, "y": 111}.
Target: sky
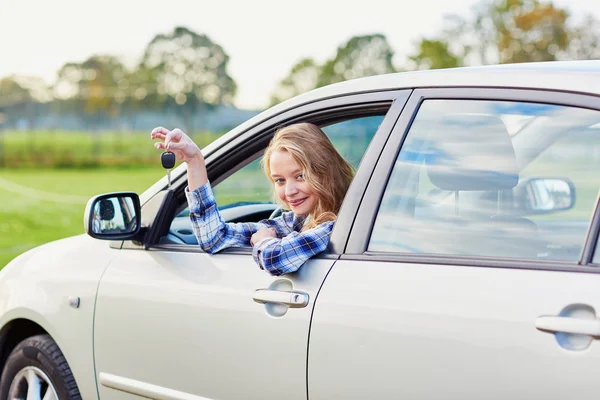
{"x": 263, "y": 38}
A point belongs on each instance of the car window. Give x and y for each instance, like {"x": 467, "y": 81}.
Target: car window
{"x": 247, "y": 196}
{"x": 492, "y": 178}
{"x": 247, "y": 185}
{"x": 250, "y": 185}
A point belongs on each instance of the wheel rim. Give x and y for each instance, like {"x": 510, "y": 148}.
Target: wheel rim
{"x": 31, "y": 383}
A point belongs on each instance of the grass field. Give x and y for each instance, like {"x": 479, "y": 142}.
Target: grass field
{"x": 61, "y": 149}
{"x": 41, "y": 205}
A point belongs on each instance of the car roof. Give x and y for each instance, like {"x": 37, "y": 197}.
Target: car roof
{"x": 570, "y": 76}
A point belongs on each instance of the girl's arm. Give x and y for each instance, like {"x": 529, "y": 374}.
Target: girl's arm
{"x": 212, "y": 232}
{"x": 288, "y": 254}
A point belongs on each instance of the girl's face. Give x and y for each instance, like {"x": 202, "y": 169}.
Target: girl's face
{"x": 290, "y": 185}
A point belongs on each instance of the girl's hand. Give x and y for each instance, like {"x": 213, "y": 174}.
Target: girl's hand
{"x": 261, "y": 234}
{"x": 177, "y": 142}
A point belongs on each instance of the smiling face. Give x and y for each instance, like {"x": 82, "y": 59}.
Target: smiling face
{"x": 290, "y": 186}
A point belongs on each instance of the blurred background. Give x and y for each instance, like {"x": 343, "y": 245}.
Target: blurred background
{"x": 81, "y": 86}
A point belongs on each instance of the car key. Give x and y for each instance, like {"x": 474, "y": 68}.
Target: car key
{"x": 168, "y": 162}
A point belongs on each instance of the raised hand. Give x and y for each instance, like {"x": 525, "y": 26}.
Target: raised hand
{"x": 177, "y": 142}
{"x": 184, "y": 148}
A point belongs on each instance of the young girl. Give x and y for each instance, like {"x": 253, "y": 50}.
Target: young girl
{"x": 310, "y": 178}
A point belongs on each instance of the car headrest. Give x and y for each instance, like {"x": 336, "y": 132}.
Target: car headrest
{"x": 107, "y": 210}
{"x": 471, "y": 152}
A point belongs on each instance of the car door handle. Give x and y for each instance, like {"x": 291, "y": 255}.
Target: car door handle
{"x": 580, "y": 326}
{"x": 289, "y": 298}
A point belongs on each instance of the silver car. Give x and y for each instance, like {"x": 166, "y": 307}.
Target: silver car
{"x": 462, "y": 263}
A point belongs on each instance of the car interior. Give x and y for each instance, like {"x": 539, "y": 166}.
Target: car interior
{"x": 465, "y": 185}
{"x": 470, "y": 159}
{"x": 246, "y": 195}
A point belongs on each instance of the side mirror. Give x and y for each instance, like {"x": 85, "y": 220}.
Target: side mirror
{"x": 545, "y": 195}
{"x": 113, "y": 216}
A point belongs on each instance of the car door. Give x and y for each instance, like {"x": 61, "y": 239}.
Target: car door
{"x": 452, "y": 285}
{"x": 174, "y": 322}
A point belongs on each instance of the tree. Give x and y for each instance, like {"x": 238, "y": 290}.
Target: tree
{"x": 95, "y": 87}
{"x": 302, "y": 78}
{"x": 12, "y": 92}
{"x": 434, "y": 54}
{"x": 22, "y": 100}
{"x": 584, "y": 40}
{"x": 359, "y": 57}
{"x": 22, "y": 97}
{"x": 38, "y": 89}
{"x": 189, "y": 69}
{"x": 530, "y": 31}
{"x": 509, "y": 31}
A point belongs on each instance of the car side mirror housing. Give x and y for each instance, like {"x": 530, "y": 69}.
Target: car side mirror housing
{"x": 545, "y": 195}
{"x": 113, "y": 216}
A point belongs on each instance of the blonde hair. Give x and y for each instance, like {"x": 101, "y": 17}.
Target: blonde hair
{"x": 324, "y": 169}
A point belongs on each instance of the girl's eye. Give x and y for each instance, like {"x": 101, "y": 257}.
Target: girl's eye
{"x": 301, "y": 176}
{"x": 279, "y": 181}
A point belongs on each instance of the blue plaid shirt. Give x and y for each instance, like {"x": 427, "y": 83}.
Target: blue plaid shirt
{"x": 281, "y": 255}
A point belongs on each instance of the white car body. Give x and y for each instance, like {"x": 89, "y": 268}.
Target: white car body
{"x": 168, "y": 323}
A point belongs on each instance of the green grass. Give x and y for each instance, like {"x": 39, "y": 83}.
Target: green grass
{"x": 49, "y": 204}
{"x": 62, "y": 149}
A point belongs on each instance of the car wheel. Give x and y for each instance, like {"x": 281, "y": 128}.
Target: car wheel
{"x": 37, "y": 369}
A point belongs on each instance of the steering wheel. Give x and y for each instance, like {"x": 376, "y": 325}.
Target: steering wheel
{"x": 276, "y": 212}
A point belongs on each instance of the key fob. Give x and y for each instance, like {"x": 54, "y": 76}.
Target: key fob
{"x": 167, "y": 159}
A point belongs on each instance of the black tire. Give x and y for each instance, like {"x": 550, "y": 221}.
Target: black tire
{"x": 39, "y": 352}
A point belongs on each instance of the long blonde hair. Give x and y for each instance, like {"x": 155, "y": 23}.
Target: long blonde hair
{"x": 324, "y": 169}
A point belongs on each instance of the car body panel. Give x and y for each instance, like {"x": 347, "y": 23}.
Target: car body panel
{"x": 38, "y": 285}
{"x": 187, "y": 322}
{"x": 427, "y": 331}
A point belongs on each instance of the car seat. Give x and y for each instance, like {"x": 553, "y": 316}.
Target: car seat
{"x": 472, "y": 153}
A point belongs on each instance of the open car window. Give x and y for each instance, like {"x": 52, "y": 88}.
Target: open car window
{"x": 247, "y": 196}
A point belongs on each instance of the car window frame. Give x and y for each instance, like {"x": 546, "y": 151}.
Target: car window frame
{"x": 356, "y": 248}
{"x": 225, "y": 160}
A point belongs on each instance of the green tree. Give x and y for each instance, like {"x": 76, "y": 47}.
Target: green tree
{"x": 434, "y": 54}
{"x": 94, "y": 90}
{"x": 23, "y": 97}
{"x": 186, "y": 69}
{"x": 12, "y": 92}
{"x": 359, "y": 57}
{"x": 302, "y": 78}
{"x": 95, "y": 87}
{"x": 22, "y": 100}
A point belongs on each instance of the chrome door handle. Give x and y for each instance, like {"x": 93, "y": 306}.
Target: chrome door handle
{"x": 580, "y": 326}
{"x": 289, "y": 298}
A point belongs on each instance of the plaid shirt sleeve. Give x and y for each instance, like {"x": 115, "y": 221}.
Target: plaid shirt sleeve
{"x": 288, "y": 254}
{"x": 214, "y": 234}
